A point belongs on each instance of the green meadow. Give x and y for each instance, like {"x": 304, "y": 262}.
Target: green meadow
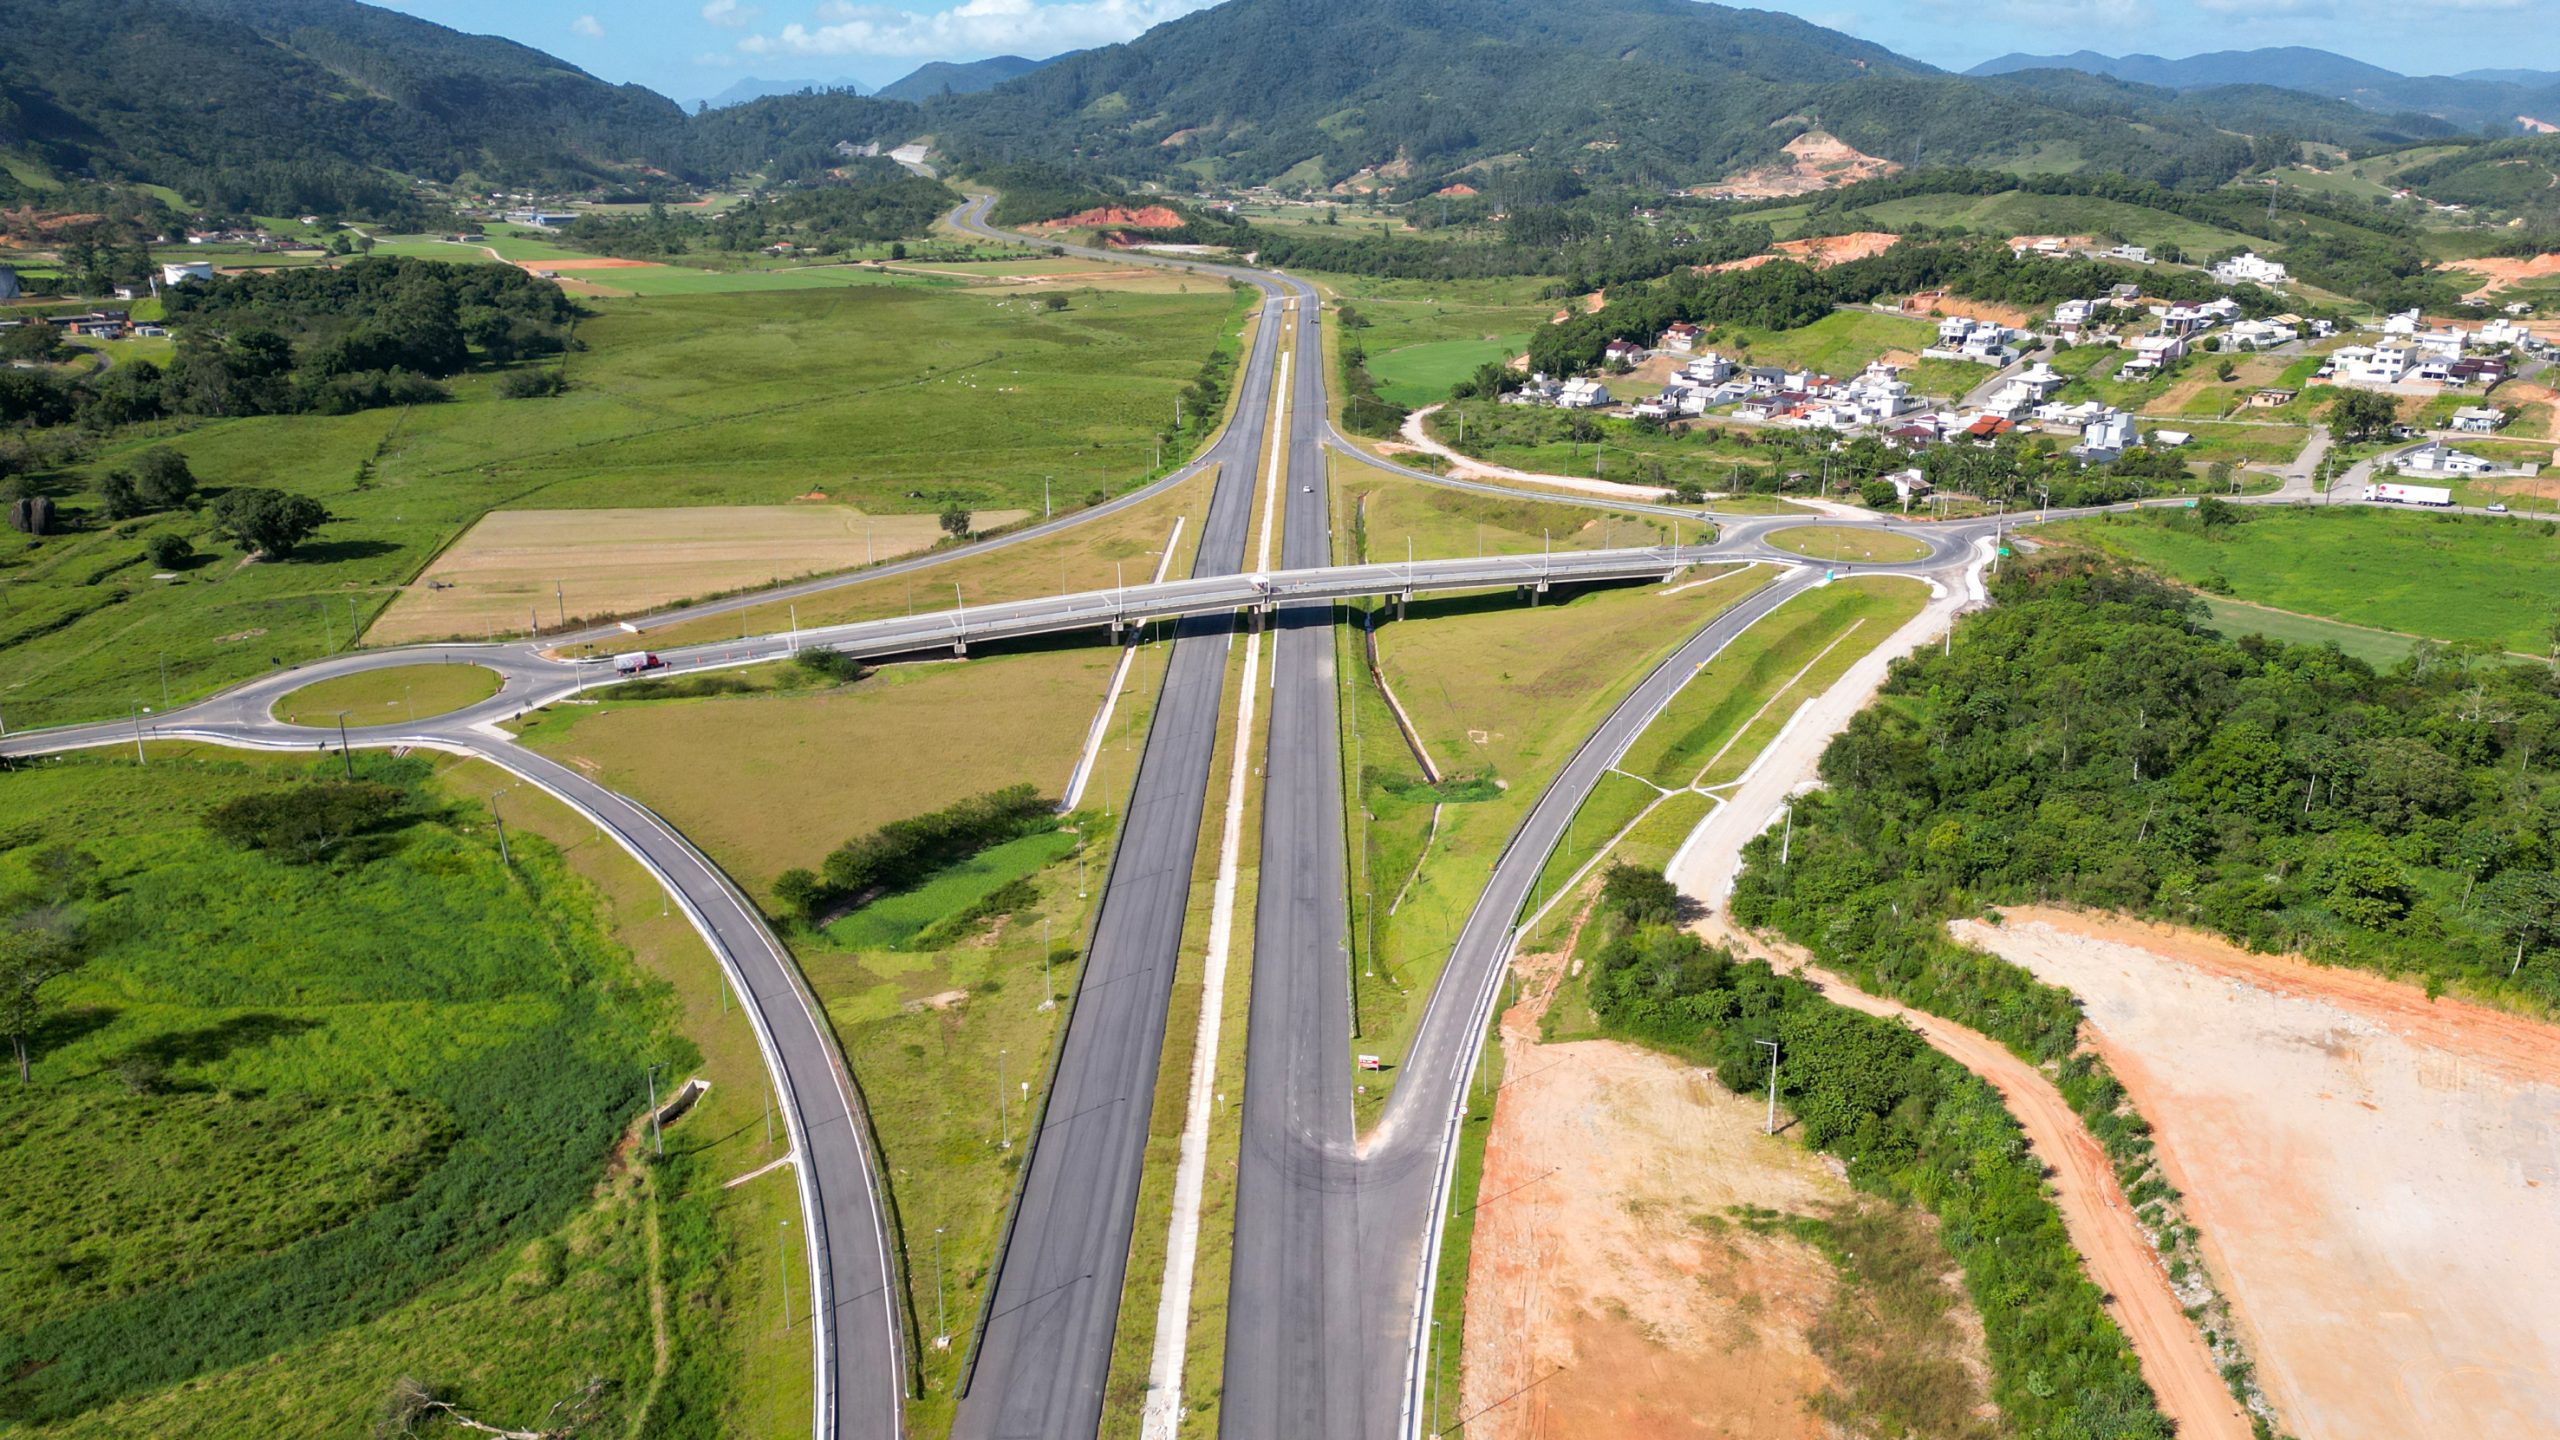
{"x": 892, "y": 398}
{"x": 298, "y": 1129}
{"x": 2479, "y": 579}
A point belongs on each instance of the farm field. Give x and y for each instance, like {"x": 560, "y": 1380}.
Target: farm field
{"x": 2446, "y": 577}
{"x": 464, "y": 1170}
{"x": 1422, "y": 374}
{"x": 2369, "y": 1166}
{"x": 555, "y": 568}
{"x": 1096, "y": 555}
{"x": 1500, "y": 693}
{"x": 894, "y": 401}
{"x": 389, "y": 696}
{"x": 1839, "y": 344}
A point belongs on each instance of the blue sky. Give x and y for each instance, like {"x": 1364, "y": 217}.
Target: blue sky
{"x": 692, "y": 48}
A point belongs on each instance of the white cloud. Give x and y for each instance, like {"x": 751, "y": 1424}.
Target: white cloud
{"x": 975, "y": 27}
{"x": 730, "y": 15}
{"x": 587, "y": 25}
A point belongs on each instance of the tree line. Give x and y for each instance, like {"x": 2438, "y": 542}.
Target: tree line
{"x": 903, "y": 853}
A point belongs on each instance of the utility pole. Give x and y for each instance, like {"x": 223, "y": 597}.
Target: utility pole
{"x": 1048, "y": 985}
{"x": 1004, "y": 1128}
{"x": 137, "y": 734}
{"x": 657, "y": 1140}
{"x": 1786, "y": 837}
{"x": 782, "y": 1249}
{"x": 1773, "y": 1084}
{"x": 941, "y": 1322}
{"x": 344, "y": 753}
{"x": 509, "y": 860}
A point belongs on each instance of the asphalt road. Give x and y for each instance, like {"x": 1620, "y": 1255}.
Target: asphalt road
{"x": 1044, "y": 1351}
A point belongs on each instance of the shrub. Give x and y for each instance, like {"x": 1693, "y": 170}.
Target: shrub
{"x": 532, "y": 384}
{"x": 307, "y": 821}
{"x": 168, "y": 550}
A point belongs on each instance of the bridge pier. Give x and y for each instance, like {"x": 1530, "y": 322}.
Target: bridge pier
{"x": 959, "y": 649}
{"x": 1401, "y": 598}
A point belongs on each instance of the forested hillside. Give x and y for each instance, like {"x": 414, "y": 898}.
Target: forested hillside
{"x": 2086, "y": 741}
{"x": 281, "y": 106}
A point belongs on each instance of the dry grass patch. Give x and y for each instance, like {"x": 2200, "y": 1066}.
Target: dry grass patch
{"x": 769, "y": 781}
{"x": 389, "y": 696}
{"x": 552, "y": 567}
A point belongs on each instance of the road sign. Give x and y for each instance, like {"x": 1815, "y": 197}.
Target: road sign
{"x": 1370, "y": 1062}
{"x": 2004, "y": 550}
{"x": 2191, "y": 504}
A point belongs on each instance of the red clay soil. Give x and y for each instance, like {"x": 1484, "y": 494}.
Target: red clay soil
{"x": 2499, "y": 273}
{"x": 2120, "y": 1260}
{"x": 1145, "y": 217}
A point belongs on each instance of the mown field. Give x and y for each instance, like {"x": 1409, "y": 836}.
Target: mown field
{"x": 2484, "y": 580}
{"x": 1385, "y": 517}
{"x": 893, "y": 400}
{"x": 1422, "y": 337}
{"x": 299, "y": 1129}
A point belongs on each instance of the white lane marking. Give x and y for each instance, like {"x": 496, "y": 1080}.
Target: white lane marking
{"x": 1163, "y": 1413}
{"x": 1279, "y": 463}
{"x": 1101, "y": 727}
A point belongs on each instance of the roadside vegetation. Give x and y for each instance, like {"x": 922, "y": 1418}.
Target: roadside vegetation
{"x": 246, "y": 950}
{"x": 894, "y": 400}
{"x": 1500, "y": 693}
{"x": 2476, "y": 580}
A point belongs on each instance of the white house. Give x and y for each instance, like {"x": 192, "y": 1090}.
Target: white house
{"x": 2133, "y": 254}
{"x": 1681, "y": 338}
{"x": 2074, "y": 314}
{"x": 2478, "y": 420}
{"x": 2501, "y": 332}
{"x": 2108, "y": 437}
{"x": 2441, "y": 459}
{"x": 2248, "y": 268}
{"x": 2386, "y": 364}
{"x": 1709, "y": 368}
{"x": 1582, "y": 395}
{"x": 2259, "y": 335}
{"x": 180, "y": 274}
{"x": 1908, "y": 485}
{"x": 2404, "y": 323}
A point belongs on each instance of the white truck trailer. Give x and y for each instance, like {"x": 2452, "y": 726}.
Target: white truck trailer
{"x": 2435, "y": 495}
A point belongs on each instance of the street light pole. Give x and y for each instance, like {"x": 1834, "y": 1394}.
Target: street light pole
{"x": 657, "y": 1140}
{"x": 1773, "y": 1083}
{"x": 137, "y": 734}
{"x": 941, "y": 1322}
{"x": 1004, "y": 1127}
{"x": 782, "y": 1250}
{"x": 344, "y": 753}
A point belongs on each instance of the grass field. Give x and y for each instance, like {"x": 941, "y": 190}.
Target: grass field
{"x": 1721, "y": 720}
{"x": 1123, "y": 548}
{"x": 769, "y": 781}
{"x": 1849, "y": 544}
{"x": 395, "y": 1197}
{"x": 1839, "y": 344}
{"x": 2240, "y": 443}
{"x": 389, "y": 696}
{"x": 1389, "y": 517}
{"x": 2485, "y": 580}
{"x": 1422, "y": 336}
{"x": 894, "y": 401}
{"x": 2378, "y": 648}
{"x": 522, "y": 568}
{"x": 1541, "y": 442}
{"x": 2018, "y": 213}
{"x": 1501, "y": 694}
{"x": 1422, "y": 374}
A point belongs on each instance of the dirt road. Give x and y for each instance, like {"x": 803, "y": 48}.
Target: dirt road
{"x": 2377, "y": 1176}
{"x": 2121, "y": 1262}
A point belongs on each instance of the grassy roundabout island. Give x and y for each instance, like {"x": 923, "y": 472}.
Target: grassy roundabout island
{"x": 390, "y": 695}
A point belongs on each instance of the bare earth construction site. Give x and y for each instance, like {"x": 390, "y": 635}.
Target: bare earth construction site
{"x": 2377, "y": 1175}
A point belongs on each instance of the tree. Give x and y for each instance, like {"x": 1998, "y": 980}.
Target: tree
{"x": 955, "y": 520}
{"x": 268, "y": 522}
{"x": 33, "y": 341}
{"x": 2362, "y": 414}
{"x": 162, "y": 479}
{"x": 1878, "y": 494}
{"x": 36, "y": 947}
{"x": 306, "y": 821}
{"x": 1053, "y": 302}
{"x": 800, "y": 893}
{"x": 168, "y": 550}
{"x": 119, "y": 497}
{"x": 898, "y": 250}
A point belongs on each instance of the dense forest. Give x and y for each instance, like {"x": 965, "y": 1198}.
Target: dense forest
{"x": 876, "y": 200}
{"x": 2086, "y": 741}
{"x": 1908, "y": 1123}
{"x": 313, "y": 339}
